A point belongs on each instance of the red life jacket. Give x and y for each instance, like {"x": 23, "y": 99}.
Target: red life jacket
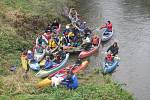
{"x": 109, "y": 27}
{"x": 109, "y": 58}
{"x": 95, "y": 40}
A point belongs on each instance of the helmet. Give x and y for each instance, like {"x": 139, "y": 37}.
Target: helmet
{"x": 29, "y": 51}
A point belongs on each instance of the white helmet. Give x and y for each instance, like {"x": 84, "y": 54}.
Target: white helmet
{"x": 29, "y": 51}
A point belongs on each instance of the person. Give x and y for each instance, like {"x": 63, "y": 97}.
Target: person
{"x": 108, "y": 27}
{"x": 73, "y": 15}
{"x": 71, "y": 35}
{"x": 95, "y": 40}
{"x": 66, "y": 30}
{"x": 55, "y": 25}
{"x": 77, "y": 63}
{"x": 87, "y": 43}
{"x": 66, "y": 40}
{"x": 41, "y": 40}
{"x": 49, "y": 63}
{"x": 71, "y": 81}
{"x": 61, "y": 53}
{"x": 113, "y": 49}
{"x": 30, "y": 56}
{"x": 48, "y": 28}
{"x": 52, "y": 43}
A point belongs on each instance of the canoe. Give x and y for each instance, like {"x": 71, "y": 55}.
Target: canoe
{"x": 106, "y": 37}
{"x": 84, "y": 54}
{"x": 34, "y": 65}
{"x": 39, "y": 56}
{"x": 71, "y": 49}
{"x": 24, "y": 62}
{"x": 73, "y": 19}
{"x": 62, "y": 73}
{"x": 44, "y": 73}
{"x": 110, "y": 67}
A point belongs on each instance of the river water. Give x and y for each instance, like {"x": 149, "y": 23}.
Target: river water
{"x": 131, "y": 22}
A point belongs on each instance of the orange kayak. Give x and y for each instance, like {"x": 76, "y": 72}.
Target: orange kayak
{"x": 47, "y": 81}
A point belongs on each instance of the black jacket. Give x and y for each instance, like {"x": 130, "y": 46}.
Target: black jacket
{"x": 114, "y": 50}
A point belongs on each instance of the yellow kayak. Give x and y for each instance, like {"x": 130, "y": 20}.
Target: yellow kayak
{"x": 24, "y": 62}
{"x": 43, "y": 83}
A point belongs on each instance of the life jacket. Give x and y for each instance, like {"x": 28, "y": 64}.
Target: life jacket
{"x": 70, "y": 34}
{"x": 95, "y": 40}
{"x": 109, "y": 27}
{"x": 74, "y": 83}
{"x": 109, "y": 58}
{"x": 52, "y": 44}
{"x": 48, "y": 64}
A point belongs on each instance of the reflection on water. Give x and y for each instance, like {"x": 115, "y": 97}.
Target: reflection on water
{"x": 131, "y": 21}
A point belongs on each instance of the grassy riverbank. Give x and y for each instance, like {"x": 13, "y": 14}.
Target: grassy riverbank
{"x": 20, "y": 20}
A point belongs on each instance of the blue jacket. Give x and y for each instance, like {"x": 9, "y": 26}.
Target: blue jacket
{"x": 48, "y": 64}
{"x": 74, "y": 83}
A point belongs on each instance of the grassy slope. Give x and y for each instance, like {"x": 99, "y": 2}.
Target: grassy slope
{"x": 19, "y": 21}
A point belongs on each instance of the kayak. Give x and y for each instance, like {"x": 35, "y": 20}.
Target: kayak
{"x": 111, "y": 66}
{"x": 44, "y": 73}
{"x": 106, "y": 35}
{"x": 71, "y": 49}
{"x": 39, "y": 56}
{"x": 34, "y": 65}
{"x": 24, "y": 62}
{"x": 61, "y": 73}
{"x": 84, "y": 54}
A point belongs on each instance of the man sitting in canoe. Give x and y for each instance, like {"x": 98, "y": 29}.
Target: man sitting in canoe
{"x": 108, "y": 27}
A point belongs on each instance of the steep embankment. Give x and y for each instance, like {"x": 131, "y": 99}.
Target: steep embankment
{"x": 19, "y": 21}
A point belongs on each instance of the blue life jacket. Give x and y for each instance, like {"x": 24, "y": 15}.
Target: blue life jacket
{"x": 48, "y": 64}
{"x": 74, "y": 83}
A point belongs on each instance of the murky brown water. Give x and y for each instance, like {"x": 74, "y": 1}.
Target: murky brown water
{"x": 131, "y": 22}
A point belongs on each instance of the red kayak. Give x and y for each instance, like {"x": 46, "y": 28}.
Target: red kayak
{"x": 84, "y": 54}
{"x": 63, "y": 71}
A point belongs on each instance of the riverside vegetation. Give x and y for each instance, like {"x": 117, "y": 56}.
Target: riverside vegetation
{"x": 20, "y": 20}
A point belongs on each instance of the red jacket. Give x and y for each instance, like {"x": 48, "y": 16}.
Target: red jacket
{"x": 108, "y": 26}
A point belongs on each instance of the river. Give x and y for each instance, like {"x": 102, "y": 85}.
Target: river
{"x": 131, "y": 22}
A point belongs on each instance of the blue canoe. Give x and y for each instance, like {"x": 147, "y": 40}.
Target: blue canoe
{"x": 110, "y": 67}
{"x": 44, "y": 73}
{"x": 106, "y": 35}
{"x": 34, "y": 65}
